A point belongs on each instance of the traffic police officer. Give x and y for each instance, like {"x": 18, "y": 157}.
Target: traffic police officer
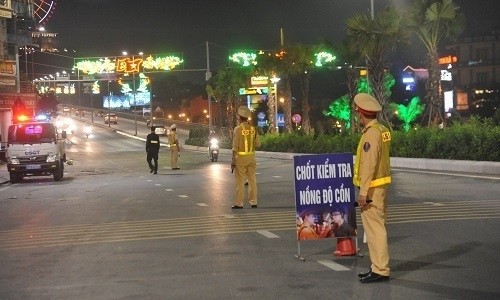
{"x": 152, "y": 148}
{"x": 174, "y": 146}
{"x": 372, "y": 176}
{"x": 245, "y": 141}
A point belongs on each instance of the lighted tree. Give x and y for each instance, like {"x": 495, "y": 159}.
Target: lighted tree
{"x": 340, "y": 109}
{"x": 409, "y": 113}
{"x": 433, "y": 21}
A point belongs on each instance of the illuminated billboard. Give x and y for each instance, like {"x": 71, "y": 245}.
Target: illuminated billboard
{"x": 134, "y": 64}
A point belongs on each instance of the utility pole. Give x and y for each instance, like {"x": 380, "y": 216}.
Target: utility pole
{"x": 208, "y": 75}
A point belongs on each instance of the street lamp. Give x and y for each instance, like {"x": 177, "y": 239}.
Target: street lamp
{"x": 275, "y": 80}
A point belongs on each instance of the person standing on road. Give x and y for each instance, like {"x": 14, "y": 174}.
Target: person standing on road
{"x": 174, "y": 146}
{"x": 152, "y": 149}
{"x": 372, "y": 176}
{"x": 245, "y": 141}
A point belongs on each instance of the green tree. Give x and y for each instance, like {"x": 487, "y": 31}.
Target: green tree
{"x": 375, "y": 39}
{"x": 225, "y": 85}
{"x": 433, "y": 21}
{"x": 409, "y": 113}
{"x": 268, "y": 63}
{"x": 305, "y": 59}
{"x": 349, "y": 60}
{"x": 340, "y": 109}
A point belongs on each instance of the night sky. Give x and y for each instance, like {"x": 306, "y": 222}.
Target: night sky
{"x": 108, "y": 27}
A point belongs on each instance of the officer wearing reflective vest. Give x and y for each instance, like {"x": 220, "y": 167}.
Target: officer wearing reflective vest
{"x": 245, "y": 141}
{"x": 372, "y": 176}
{"x": 173, "y": 142}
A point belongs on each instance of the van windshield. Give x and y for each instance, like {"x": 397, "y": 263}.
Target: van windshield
{"x": 32, "y": 133}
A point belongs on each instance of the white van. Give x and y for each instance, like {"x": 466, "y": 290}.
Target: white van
{"x": 35, "y": 149}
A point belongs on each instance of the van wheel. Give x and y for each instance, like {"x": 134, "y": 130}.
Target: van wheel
{"x": 59, "y": 173}
{"x": 15, "y": 178}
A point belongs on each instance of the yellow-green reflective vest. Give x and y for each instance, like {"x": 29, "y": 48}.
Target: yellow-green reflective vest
{"x": 247, "y": 139}
{"x": 382, "y": 171}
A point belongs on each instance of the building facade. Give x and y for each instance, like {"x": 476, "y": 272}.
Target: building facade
{"x": 476, "y": 73}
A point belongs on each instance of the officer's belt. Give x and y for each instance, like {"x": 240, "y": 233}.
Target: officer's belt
{"x": 246, "y": 153}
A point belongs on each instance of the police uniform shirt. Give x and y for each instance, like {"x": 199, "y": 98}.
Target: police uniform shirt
{"x": 245, "y": 139}
{"x": 172, "y": 138}
{"x": 371, "y": 165}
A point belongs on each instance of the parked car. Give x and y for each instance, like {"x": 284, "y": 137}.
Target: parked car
{"x": 111, "y": 118}
{"x": 80, "y": 113}
{"x": 161, "y": 130}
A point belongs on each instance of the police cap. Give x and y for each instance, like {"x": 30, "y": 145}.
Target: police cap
{"x": 244, "y": 111}
{"x": 366, "y": 104}
{"x": 173, "y": 126}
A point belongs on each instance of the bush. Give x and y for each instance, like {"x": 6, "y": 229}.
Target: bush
{"x": 475, "y": 139}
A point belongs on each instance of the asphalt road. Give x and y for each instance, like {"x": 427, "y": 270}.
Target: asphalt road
{"x": 112, "y": 230}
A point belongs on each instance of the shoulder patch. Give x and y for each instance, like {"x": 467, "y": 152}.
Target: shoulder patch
{"x": 366, "y": 147}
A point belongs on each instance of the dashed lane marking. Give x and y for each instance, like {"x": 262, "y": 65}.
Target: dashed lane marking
{"x": 434, "y": 203}
{"x": 184, "y": 196}
{"x": 169, "y": 190}
{"x": 268, "y": 234}
{"x": 332, "y": 265}
{"x": 201, "y": 204}
{"x": 128, "y": 231}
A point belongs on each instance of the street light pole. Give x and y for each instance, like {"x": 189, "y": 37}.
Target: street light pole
{"x": 275, "y": 80}
{"x": 372, "y": 9}
{"x": 135, "y": 103}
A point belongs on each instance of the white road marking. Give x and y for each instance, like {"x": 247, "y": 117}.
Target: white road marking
{"x": 184, "y": 196}
{"x": 157, "y": 184}
{"x": 268, "y": 234}
{"x": 201, "y": 204}
{"x": 169, "y": 190}
{"x": 149, "y": 180}
{"x": 333, "y": 265}
{"x": 434, "y": 203}
{"x": 277, "y": 176}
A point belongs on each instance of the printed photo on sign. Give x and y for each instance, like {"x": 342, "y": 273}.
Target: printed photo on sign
{"x": 324, "y": 196}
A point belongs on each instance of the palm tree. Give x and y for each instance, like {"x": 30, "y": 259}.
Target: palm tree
{"x": 350, "y": 59}
{"x": 225, "y": 86}
{"x": 267, "y": 65}
{"x": 375, "y": 39}
{"x": 303, "y": 56}
{"x": 434, "y": 21}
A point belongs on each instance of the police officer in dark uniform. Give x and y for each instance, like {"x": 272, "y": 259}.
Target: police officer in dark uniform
{"x": 152, "y": 149}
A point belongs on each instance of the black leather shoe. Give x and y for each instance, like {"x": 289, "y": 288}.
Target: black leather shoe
{"x": 364, "y": 274}
{"x": 373, "y": 277}
{"x": 236, "y": 207}
{"x": 155, "y": 172}
{"x": 254, "y": 205}
{"x": 151, "y": 170}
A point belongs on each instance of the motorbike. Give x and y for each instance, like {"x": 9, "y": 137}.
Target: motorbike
{"x": 87, "y": 131}
{"x": 213, "y": 149}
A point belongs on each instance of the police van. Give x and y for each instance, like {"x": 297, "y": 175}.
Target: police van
{"x": 35, "y": 149}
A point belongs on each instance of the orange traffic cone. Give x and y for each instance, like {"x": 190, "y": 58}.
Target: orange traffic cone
{"x": 345, "y": 247}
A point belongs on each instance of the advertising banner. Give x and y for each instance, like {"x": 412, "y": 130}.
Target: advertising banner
{"x": 324, "y": 196}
